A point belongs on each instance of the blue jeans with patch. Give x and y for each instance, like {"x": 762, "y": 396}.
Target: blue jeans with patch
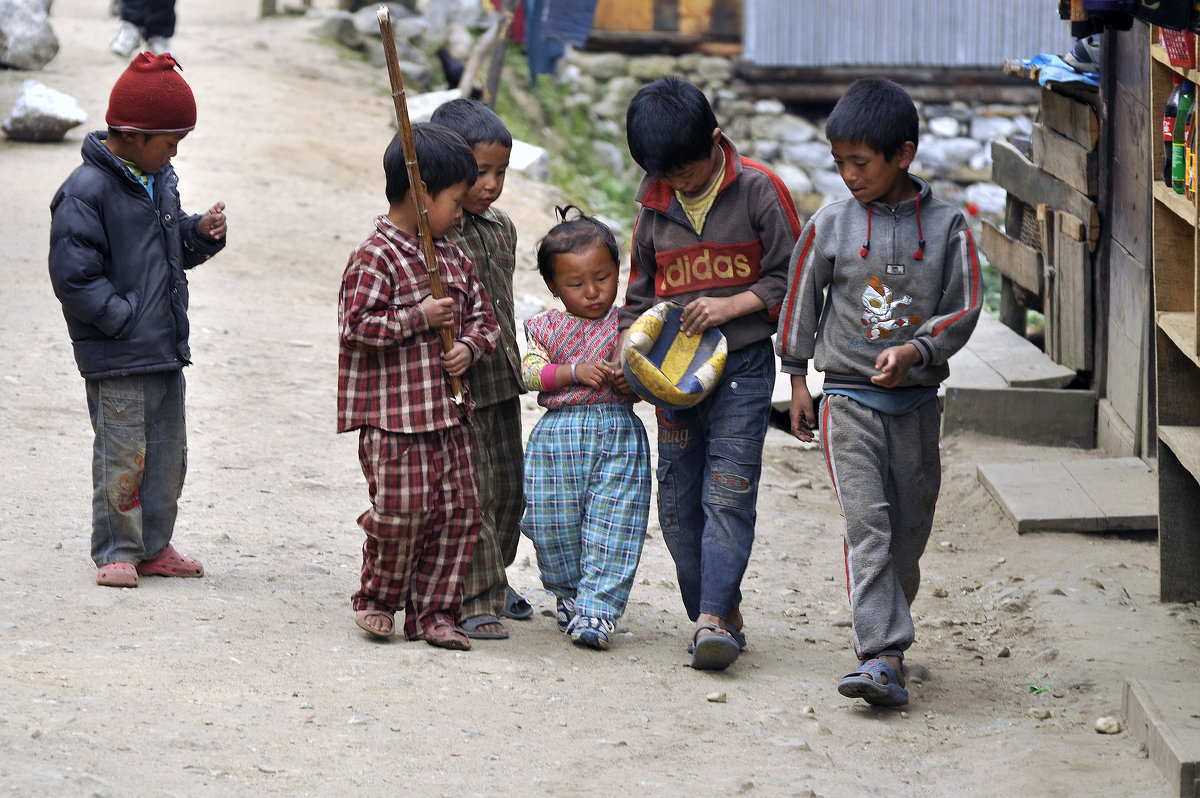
{"x": 139, "y": 460}
{"x": 709, "y": 462}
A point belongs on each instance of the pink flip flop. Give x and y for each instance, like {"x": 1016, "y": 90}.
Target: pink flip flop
{"x": 117, "y": 574}
{"x": 171, "y": 563}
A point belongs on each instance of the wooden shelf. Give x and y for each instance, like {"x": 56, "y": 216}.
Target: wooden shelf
{"x": 1159, "y": 54}
{"x": 1178, "y": 204}
{"x": 1180, "y": 327}
{"x": 1185, "y": 445}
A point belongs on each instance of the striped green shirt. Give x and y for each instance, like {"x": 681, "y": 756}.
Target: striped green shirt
{"x": 490, "y": 241}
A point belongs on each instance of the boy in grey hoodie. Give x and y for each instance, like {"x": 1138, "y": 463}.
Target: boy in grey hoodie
{"x": 904, "y": 293}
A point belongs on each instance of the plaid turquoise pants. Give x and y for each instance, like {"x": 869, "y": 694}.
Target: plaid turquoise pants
{"x": 587, "y": 493}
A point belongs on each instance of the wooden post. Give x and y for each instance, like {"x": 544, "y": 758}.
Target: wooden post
{"x": 414, "y": 182}
{"x": 499, "y": 48}
{"x": 268, "y": 8}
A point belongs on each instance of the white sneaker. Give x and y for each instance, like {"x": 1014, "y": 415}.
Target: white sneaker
{"x": 126, "y": 40}
{"x": 159, "y": 45}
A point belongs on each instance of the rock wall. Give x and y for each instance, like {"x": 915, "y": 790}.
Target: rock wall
{"x": 954, "y": 152}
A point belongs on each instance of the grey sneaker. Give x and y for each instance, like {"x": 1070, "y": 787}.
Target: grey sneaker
{"x": 565, "y": 614}
{"x": 591, "y": 632}
{"x": 126, "y": 40}
{"x": 159, "y": 45}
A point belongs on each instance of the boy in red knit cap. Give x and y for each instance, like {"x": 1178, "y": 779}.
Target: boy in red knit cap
{"x": 119, "y": 244}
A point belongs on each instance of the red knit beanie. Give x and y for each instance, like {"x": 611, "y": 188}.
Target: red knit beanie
{"x": 151, "y": 97}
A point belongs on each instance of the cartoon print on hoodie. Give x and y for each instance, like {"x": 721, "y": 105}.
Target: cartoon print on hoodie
{"x": 879, "y": 310}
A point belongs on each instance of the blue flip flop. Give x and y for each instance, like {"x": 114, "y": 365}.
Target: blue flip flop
{"x": 516, "y": 607}
{"x": 713, "y": 651}
{"x": 738, "y": 636}
{"x": 868, "y": 683}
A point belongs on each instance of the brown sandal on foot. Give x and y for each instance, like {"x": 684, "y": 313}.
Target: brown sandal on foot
{"x": 385, "y": 630}
{"x": 444, "y": 634}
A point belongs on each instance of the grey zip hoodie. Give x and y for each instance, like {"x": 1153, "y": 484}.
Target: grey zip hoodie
{"x": 908, "y": 274}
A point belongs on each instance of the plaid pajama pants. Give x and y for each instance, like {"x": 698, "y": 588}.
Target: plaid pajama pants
{"x": 587, "y": 490}
{"x": 499, "y": 474}
{"x": 422, "y": 525}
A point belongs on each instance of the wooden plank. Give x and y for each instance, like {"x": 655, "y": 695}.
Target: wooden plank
{"x": 1173, "y": 243}
{"x": 1124, "y": 488}
{"x": 1018, "y": 262}
{"x": 1185, "y": 443}
{"x": 1073, "y": 293}
{"x": 1015, "y": 358}
{"x": 1070, "y": 162}
{"x": 1017, "y": 174}
{"x": 624, "y": 15}
{"x": 1045, "y": 217}
{"x": 1075, "y": 120}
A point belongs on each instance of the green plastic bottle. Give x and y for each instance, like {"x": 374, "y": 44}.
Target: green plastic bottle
{"x": 1187, "y": 98}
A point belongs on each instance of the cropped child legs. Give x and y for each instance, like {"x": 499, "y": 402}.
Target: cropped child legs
{"x": 421, "y": 528}
{"x": 587, "y": 484}
{"x": 887, "y": 473}
{"x": 500, "y": 475}
{"x": 710, "y": 460}
{"x": 139, "y": 460}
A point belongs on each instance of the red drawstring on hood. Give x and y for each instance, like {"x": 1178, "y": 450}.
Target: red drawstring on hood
{"x": 918, "y": 255}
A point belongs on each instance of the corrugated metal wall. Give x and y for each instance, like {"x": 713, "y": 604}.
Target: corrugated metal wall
{"x": 900, "y": 33}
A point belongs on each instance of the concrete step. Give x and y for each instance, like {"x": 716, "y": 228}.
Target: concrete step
{"x": 1163, "y": 716}
{"x": 1001, "y": 384}
{"x": 1084, "y": 495}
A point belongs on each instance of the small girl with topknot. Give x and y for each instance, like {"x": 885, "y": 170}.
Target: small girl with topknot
{"x": 587, "y": 463}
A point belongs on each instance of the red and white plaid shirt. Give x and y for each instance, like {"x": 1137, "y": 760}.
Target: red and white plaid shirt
{"x": 390, "y": 371}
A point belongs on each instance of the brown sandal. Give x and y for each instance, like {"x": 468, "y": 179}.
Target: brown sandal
{"x": 388, "y": 627}
{"x": 444, "y": 634}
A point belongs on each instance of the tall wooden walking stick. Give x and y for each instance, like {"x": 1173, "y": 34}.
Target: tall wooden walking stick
{"x": 416, "y": 188}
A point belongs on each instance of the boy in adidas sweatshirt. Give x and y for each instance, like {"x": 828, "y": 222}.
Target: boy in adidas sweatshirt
{"x": 904, "y": 293}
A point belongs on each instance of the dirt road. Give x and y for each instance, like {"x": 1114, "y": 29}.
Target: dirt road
{"x": 255, "y": 681}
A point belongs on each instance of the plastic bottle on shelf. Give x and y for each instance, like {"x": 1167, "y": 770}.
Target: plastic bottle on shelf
{"x": 1187, "y": 98}
{"x": 1189, "y": 134}
{"x": 1168, "y": 124}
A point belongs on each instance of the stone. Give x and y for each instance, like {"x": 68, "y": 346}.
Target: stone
{"x": 604, "y": 66}
{"x": 1046, "y": 655}
{"x": 1003, "y": 653}
{"x": 529, "y": 160}
{"x": 795, "y": 178}
{"x": 1107, "y": 725}
{"x": 988, "y": 128}
{"x": 339, "y": 26}
{"x": 42, "y": 114}
{"x": 769, "y": 107}
{"x": 652, "y": 67}
{"x": 809, "y": 155}
{"x": 829, "y": 184}
{"x": 422, "y": 106}
{"x": 714, "y": 69}
{"x": 609, "y": 157}
{"x": 787, "y": 129}
{"x": 717, "y": 697}
{"x": 26, "y": 39}
{"x": 944, "y": 126}
{"x": 1038, "y": 713}
{"x": 616, "y": 97}
{"x": 765, "y": 151}
{"x": 941, "y": 153}
{"x": 989, "y": 197}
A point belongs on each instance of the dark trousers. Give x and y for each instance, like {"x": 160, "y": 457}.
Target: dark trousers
{"x": 153, "y": 17}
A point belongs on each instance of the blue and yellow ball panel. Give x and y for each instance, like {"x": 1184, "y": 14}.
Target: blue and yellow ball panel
{"x": 666, "y": 367}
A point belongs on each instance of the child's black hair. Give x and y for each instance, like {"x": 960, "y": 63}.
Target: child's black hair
{"x": 443, "y": 157}
{"x": 669, "y": 125}
{"x": 474, "y": 121}
{"x": 576, "y": 236}
{"x": 875, "y": 112}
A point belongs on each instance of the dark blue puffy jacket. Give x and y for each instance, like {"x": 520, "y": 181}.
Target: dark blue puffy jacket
{"x": 117, "y": 261}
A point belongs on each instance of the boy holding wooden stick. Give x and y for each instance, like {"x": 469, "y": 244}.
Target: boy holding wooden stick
{"x": 394, "y": 387}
